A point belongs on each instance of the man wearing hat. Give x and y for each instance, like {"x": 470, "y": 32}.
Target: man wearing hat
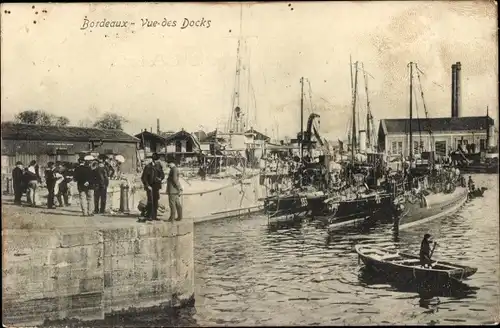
{"x": 152, "y": 176}
{"x": 84, "y": 177}
{"x": 101, "y": 187}
{"x": 18, "y": 182}
{"x": 174, "y": 191}
{"x": 425, "y": 250}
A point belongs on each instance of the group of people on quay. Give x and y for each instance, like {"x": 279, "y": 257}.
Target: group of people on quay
{"x": 92, "y": 178}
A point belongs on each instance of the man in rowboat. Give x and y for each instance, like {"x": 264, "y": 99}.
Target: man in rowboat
{"x": 425, "y": 251}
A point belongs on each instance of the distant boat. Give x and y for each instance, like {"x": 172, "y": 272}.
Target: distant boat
{"x": 406, "y": 268}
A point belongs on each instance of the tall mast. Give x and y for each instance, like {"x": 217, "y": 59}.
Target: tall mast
{"x": 487, "y": 129}
{"x": 411, "y": 111}
{"x": 301, "y": 117}
{"x": 354, "y": 96}
{"x": 368, "y": 112}
{"x": 235, "y": 120}
{"x": 350, "y": 69}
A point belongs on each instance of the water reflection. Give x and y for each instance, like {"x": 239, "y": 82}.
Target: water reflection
{"x": 295, "y": 272}
{"x": 427, "y": 292}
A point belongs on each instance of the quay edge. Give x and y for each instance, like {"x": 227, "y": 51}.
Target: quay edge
{"x": 63, "y": 268}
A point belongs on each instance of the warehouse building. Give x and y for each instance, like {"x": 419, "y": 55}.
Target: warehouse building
{"x": 448, "y": 133}
{"x": 26, "y": 142}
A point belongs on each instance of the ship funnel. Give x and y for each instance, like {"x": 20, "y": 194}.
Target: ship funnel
{"x": 458, "y": 89}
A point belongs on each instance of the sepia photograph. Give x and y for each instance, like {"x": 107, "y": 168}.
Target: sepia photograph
{"x": 202, "y": 164}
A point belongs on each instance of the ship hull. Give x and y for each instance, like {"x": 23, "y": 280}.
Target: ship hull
{"x": 356, "y": 211}
{"x": 433, "y": 207}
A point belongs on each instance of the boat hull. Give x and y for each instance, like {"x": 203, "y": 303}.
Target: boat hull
{"x": 291, "y": 205}
{"x": 484, "y": 169}
{"x": 406, "y": 269}
{"x": 355, "y": 211}
{"x": 434, "y": 207}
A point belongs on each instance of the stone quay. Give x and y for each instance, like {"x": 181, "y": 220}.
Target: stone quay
{"x": 58, "y": 265}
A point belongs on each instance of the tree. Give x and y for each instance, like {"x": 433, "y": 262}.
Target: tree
{"x": 110, "y": 121}
{"x": 40, "y": 117}
{"x": 61, "y": 121}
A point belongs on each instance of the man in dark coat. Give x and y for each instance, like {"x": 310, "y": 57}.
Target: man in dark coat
{"x": 18, "y": 182}
{"x": 50, "y": 180}
{"x": 174, "y": 191}
{"x": 425, "y": 251}
{"x": 101, "y": 188}
{"x": 84, "y": 177}
{"x": 32, "y": 179}
{"x": 152, "y": 177}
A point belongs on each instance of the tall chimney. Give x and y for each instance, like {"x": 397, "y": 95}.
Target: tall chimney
{"x": 458, "y": 87}
{"x": 157, "y": 126}
{"x": 453, "y": 90}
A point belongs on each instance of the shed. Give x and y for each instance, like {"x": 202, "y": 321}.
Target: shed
{"x": 26, "y": 142}
{"x": 448, "y": 133}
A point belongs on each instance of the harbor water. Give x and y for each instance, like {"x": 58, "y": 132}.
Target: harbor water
{"x": 249, "y": 273}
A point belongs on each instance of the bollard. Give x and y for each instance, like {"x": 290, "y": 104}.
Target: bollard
{"x": 124, "y": 207}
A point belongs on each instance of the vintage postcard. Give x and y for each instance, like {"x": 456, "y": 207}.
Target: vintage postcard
{"x": 250, "y": 163}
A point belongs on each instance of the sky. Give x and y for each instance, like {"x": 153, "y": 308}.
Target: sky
{"x": 186, "y": 77}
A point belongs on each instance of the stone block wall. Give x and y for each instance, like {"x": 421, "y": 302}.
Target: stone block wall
{"x": 86, "y": 273}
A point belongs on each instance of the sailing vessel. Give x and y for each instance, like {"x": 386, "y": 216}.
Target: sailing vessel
{"x": 302, "y": 177}
{"x": 428, "y": 192}
{"x": 361, "y": 199}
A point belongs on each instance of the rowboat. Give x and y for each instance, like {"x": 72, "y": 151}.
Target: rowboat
{"x": 406, "y": 268}
{"x": 477, "y": 192}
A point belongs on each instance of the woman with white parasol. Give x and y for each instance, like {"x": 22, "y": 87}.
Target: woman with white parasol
{"x": 119, "y": 161}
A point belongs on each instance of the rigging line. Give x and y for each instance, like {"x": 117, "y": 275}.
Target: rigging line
{"x": 310, "y": 97}
{"x": 425, "y": 107}
{"x": 418, "y": 120}
{"x": 419, "y": 70}
{"x": 248, "y": 85}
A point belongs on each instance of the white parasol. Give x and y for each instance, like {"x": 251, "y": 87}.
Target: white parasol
{"x": 89, "y": 158}
{"x": 120, "y": 158}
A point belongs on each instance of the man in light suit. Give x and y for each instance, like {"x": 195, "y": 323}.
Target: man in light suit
{"x": 174, "y": 191}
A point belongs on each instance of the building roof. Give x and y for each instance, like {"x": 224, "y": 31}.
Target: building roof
{"x": 149, "y": 135}
{"x": 18, "y": 131}
{"x": 201, "y": 135}
{"x": 182, "y": 135}
{"x": 402, "y": 125}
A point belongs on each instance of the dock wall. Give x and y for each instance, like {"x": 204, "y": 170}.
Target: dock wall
{"x": 88, "y": 272}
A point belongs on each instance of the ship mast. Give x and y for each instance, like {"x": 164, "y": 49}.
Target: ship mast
{"x": 487, "y": 129}
{"x": 354, "y": 96}
{"x": 411, "y": 112}
{"x": 301, "y": 117}
{"x": 369, "y": 116}
{"x": 236, "y": 115}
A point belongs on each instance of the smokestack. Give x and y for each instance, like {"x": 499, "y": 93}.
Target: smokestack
{"x": 458, "y": 88}
{"x": 453, "y": 89}
{"x": 157, "y": 126}
{"x": 151, "y": 129}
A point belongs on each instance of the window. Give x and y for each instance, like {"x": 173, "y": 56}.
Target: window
{"x": 482, "y": 144}
{"x": 400, "y": 147}
{"x": 440, "y": 147}
{"x": 418, "y": 147}
{"x": 394, "y": 148}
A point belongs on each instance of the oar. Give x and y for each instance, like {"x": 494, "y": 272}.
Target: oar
{"x": 432, "y": 252}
